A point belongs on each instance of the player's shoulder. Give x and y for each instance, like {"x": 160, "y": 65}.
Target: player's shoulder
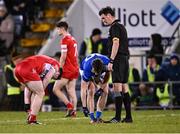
{"x": 42, "y": 56}
{"x": 116, "y": 25}
{"x": 68, "y": 37}
{"x": 101, "y": 56}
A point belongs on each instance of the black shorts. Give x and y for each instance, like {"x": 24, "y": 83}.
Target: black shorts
{"x": 120, "y": 70}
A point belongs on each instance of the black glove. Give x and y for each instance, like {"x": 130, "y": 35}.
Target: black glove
{"x": 60, "y": 73}
{"x": 85, "y": 111}
{"x": 98, "y": 93}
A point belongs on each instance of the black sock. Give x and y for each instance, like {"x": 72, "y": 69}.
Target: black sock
{"x": 127, "y": 104}
{"x": 118, "y": 105}
{"x": 26, "y": 107}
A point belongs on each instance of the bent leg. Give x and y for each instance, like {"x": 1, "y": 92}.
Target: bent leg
{"x": 37, "y": 88}
{"x": 90, "y": 100}
{"x": 27, "y": 99}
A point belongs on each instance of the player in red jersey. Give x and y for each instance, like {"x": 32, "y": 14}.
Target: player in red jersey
{"x": 35, "y": 73}
{"x": 69, "y": 68}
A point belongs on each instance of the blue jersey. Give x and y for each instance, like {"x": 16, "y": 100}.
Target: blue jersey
{"x": 86, "y": 65}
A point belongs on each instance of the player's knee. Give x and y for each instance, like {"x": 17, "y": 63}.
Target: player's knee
{"x": 125, "y": 90}
{"x": 105, "y": 92}
{"x": 117, "y": 87}
{"x": 74, "y": 97}
{"x": 91, "y": 93}
{"x": 41, "y": 93}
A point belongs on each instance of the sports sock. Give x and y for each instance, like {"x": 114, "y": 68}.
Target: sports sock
{"x": 98, "y": 114}
{"x": 127, "y": 104}
{"x": 69, "y": 106}
{"x": 32, "y": 117}
{"x": 92, "y": 116}
{"x": 118, "y": 105}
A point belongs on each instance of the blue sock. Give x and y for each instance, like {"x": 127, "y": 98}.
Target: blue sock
{"x": 92, "y": 116}
{"x": 98, "y": 114}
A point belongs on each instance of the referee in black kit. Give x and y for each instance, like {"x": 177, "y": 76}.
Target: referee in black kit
{"x": 119, "y": 64}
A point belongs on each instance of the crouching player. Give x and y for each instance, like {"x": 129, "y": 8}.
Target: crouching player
{"x": 35, "y": 72}
{"x": 93, "y": 74}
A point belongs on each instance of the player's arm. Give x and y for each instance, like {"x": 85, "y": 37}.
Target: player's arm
{"x": 106, "y": 78}
{"x": 115, "y": 48}
{"x": 63, "y": 55}
{"x": 103, "y": 83}
{"x": 84, "y": 87}
{"x": 115, "y": 34}
{"x": 48, "y": 77}
{"x": 63, "y": 58}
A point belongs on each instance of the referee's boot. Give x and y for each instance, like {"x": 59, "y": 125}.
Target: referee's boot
{"x": 113, "y": 120}
{"x": 127, "y": 120}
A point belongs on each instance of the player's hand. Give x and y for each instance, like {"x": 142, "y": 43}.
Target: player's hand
{"x": 85, "y": 111}
{"x": 98, "y": 93}
{"x": 110, "y": 67}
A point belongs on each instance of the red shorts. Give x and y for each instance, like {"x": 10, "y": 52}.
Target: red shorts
{"x": 70, "y": 75}
{"x": 24, "y": 73}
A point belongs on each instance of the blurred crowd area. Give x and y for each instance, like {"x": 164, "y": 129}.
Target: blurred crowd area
{"x": 156, "y": 86}
{"x": 16, "y": 17}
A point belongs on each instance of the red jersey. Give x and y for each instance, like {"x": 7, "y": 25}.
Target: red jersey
{"x": 70, "y": 68}
{"x": 34, "y": 68}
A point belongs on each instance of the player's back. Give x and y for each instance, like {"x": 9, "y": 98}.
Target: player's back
{"x": 70, "y": 44}
{"x": 87, "y": 62}
{"x": 37, "y": 62}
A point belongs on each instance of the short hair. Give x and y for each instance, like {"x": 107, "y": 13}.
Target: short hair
{"x": 97, "y": 65}
{"x": 62, "y": 24}
{"x": 96, "y": 31}
{"x": 107, "y": 10}
{"x": 151, "y": 55}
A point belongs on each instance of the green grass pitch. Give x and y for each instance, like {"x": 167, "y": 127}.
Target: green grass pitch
{"x": 145, "y": 121}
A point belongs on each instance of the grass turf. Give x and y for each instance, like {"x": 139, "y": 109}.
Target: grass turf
{"x": 158, "y": 121}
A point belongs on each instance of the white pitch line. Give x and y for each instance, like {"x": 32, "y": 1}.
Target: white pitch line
{"x": 52, "y": 119}
{"x": 79, "y": 118}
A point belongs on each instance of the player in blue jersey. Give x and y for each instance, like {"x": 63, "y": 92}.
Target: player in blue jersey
{"x": 94, "y": 74}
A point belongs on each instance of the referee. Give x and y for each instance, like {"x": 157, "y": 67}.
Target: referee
{"x": 119, "y": 65}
